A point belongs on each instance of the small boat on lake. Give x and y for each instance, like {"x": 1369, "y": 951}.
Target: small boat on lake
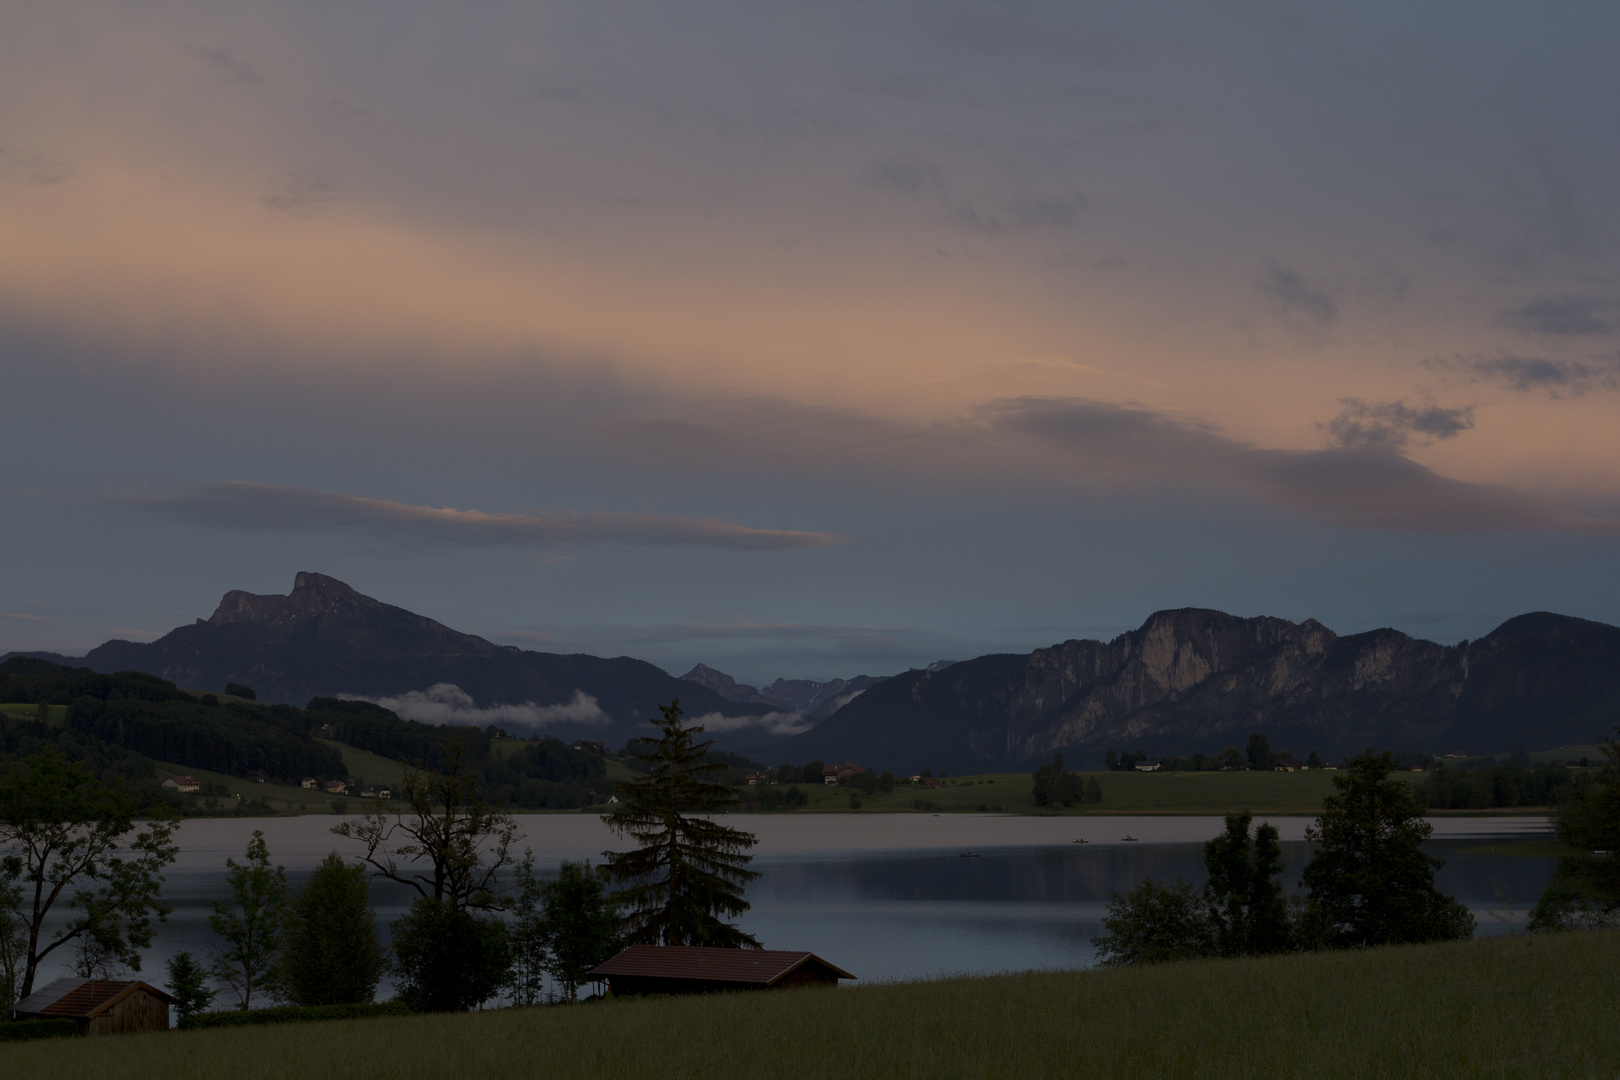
{"x": 1080, "y": 841}
{"x": 969, "y": 854}
{"x": 1131, "y": 840}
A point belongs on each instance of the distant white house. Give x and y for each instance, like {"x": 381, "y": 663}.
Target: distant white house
{"x": 1147, "y": 766}
{"x": 184, "y": 784}
{"x": 308, "y": 783}
{"x": 336, "y": 787}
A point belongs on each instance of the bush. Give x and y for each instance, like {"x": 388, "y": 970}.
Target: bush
{"x": 23, "y": 1030}
{"x": 330, "y": 953}
{"x": 447, "y": 959}
{"x": 293, "y": 1014}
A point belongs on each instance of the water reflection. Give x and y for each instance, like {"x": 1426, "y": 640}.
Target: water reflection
{"x": 891, "y": 897}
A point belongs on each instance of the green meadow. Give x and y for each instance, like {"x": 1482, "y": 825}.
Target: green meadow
{"x": 1524, "y": 1006}
{"x": 1122, "y": 793}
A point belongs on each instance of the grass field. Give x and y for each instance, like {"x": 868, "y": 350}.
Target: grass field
{"x": 1520, "y": 1006}
{"x": 1123, "y": 793}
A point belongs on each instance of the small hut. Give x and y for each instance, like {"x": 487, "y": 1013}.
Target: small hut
{"x": 695, "y": 969}
{"x": 100, "y": 1007}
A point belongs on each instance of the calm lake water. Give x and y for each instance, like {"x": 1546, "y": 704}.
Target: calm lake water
{"x": 890, "y": 896}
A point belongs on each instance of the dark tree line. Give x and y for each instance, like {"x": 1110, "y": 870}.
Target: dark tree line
{"x": 231, "y": 739}
{"x": 1509, "y": 784}
{"x": 1055, "y": 786}
{"x": 1369, "y": 883}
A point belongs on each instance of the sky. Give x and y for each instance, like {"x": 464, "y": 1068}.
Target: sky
{"x": 810, "y": 339}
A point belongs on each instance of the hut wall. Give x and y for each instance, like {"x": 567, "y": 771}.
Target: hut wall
{"x": 136, "y": 1013}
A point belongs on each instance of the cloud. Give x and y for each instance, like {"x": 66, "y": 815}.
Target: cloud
{"x": 1028, "y": 208}
{"x": 1362, "y": 487}
{"x": 222, "y": 63}
{"x": 1297, "y": 302}
{"x": 1394, "y": 423}
{"x": 277, "y": 508}
{"x": 447, "y": 703}
{"x": 300, "y": 195}
{"x": 31, "y": 168}
{"x": 774, "y": 723}
{"x": 1555, "y": 376}
{"x": 23, "y": 618}
{"x": 1561, "y": 316}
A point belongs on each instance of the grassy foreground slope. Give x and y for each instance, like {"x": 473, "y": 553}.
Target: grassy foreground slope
{"x": 1520, "y": 1006}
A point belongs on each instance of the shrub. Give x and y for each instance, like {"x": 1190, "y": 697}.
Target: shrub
{"x": 293, "y": 1014}
{"x": 37, "y": 1029}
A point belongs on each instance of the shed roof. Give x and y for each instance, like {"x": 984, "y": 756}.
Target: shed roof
{"x": 745, "y": 967}
{"x": 83, "y": 999}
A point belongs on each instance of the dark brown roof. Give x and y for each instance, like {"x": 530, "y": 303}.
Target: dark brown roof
{"x": 82, "y": 999}
{"x": 759, "y": 967}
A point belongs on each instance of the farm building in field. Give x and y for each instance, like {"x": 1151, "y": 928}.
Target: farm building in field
{"x": 184, "y": 784}
{"x": 693, "y": 969}
{"x": 101, "y": 1008}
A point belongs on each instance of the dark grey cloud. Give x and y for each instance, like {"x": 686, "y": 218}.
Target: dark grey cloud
{"x": 1562, "y": 316}
{"x": 277, "y": 508}
{"x": 222, "y": 63}
{"x": 32, "y": 168}
{"x": 1029, "y": 207}
{"x": 1557, "y": 377}
{"x": 300, "y": 194}
{"x": 1395, "y": 423}
{"x": 1296, "y": 302}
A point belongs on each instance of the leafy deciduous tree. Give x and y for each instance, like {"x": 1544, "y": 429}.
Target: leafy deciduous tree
{"x": 69, "y": 838}
{"x": 1247, "y": 910}
{"x": 1155, "y": 923}
{"x": 450, "y": 847}
{"x": 250, "y": 924}
{"x": 1056, "y": 787}
{"x": 330, "y": 953}
{"x": 447, "y": 959}
{"x": 579, "y": 927}
{"x": 688, "y": 870}
{"x": 1370, "y": 879}
{"x": 1585, "y": 889}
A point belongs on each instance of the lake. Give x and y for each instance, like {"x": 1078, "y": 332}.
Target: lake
{"x": 890, "y": 896}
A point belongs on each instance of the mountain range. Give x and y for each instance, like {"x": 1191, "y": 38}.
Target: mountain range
{"x": 1188, "y": 680}
{"x": 811, "y": 700}
{"x": 1195, "y": 680}
{"x": 325, "y": 639}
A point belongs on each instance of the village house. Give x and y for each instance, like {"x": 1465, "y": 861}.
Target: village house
{"x": 1287, "y": 762}
{"x": 308, "y": 783}
{"x": 183, "y": 784}
{"x": 378, "y": 792}
{"x": 258, "y": 776}
{"x": 595, "y": 746}
{"x": 336, "y": 787}
{"x": 1147, "y": 766}
{"x": 100, "y": 1007}
{"x": 692, "y": 969}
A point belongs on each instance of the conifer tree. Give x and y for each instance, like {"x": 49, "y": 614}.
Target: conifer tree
{"x": 688, "y": 871}
{"x": 1246, "y": 905}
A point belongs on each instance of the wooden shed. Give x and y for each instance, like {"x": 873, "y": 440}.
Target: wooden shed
{"x": 100, "y": 1007}
{"x": 694, "y": 969}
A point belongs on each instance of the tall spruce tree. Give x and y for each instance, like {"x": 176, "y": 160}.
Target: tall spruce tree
{"x": 687, "y": 873}
{"x": 1370, "y": 879}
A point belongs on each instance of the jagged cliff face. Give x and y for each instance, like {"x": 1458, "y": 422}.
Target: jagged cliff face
{"x": 803, "y": 696}
{"x": 1196, "y": 680}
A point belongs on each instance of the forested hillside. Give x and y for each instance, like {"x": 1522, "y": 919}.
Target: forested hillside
{"x": 120, "y": 724}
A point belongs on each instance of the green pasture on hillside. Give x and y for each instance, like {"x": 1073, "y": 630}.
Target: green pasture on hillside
{"x": 371, "y": 769}
{"x": 1122, "y": 793}
{"x": 58, "y": 713}
{"x": 1522, "y": 1006}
